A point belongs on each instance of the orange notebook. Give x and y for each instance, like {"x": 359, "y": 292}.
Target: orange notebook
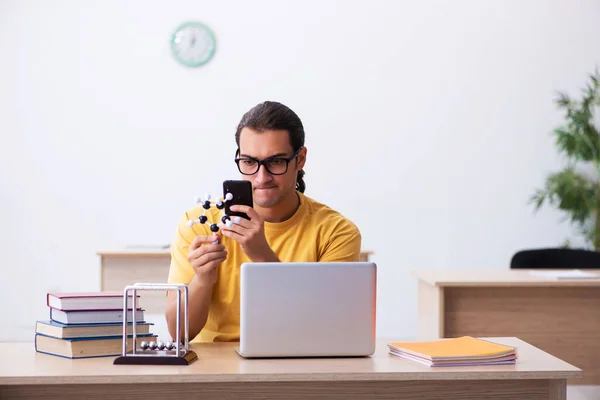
{"x": 463, "y": 351}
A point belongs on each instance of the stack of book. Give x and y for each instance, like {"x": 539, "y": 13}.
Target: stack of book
{"x": 89, "y": 324}
{"x": 462, "y": 351}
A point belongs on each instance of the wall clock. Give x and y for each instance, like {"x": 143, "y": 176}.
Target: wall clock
{"x": 193, "y": 44}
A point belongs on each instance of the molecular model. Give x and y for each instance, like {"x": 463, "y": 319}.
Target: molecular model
{"x": 207, "y": 204}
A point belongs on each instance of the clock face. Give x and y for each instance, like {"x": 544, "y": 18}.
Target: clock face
{"x": 193, "y": 44}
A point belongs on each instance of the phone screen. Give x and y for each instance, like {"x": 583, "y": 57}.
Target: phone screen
{"x": 242, "y": 194}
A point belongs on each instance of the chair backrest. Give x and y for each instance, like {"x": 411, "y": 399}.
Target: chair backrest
{"x": 556, "y": 258}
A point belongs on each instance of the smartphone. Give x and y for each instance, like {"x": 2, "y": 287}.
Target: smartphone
{"x": 242, "y": 195}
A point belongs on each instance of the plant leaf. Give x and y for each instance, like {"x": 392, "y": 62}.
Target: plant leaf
{"x": 573, "y": 193}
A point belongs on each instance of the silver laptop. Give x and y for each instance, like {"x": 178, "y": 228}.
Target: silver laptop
{"x": 308, "y": 309}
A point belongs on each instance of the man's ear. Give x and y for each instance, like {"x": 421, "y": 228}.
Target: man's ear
{"x": 301, "y": 158}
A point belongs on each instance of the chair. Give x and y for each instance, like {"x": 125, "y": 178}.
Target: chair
{"x": 555, "y": 258}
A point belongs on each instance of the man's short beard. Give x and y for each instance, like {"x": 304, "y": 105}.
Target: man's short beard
{"x": 269, "y": 202}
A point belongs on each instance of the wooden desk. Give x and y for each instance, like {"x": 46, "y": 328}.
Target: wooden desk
{"x": 561, "y": 317}
{"x": 122, "y": 267}
{"x": 220, "y": 373}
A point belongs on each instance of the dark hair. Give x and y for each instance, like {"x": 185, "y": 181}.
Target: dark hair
{"x": 275, "y": 116}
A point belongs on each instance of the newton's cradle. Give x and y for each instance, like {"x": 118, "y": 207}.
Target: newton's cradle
{"x": 160, "y": 353}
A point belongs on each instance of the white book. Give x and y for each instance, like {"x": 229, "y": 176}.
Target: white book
{"x": 94, "y": 316}
{"x": 565, "y": 274}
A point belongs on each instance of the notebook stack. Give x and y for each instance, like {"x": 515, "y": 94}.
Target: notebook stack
{"x": 463, "y": 351}
{"x": 89, "y": 324}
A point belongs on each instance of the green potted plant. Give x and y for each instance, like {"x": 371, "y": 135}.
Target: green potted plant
{"x": 575, "y": 190}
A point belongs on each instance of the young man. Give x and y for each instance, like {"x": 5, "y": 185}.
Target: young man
{"x": 284, "y": 225}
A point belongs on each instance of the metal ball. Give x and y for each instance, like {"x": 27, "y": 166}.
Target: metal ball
{"x": 144, "y": 345}
{"x": 153, "y": 345}
{"x": 161, "y": 345}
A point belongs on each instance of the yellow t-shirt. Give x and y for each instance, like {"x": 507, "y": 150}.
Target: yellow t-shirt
{"x": 314, "y": 233}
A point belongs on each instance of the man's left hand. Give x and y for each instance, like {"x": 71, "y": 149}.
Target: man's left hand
{"x": 250, "y": 234}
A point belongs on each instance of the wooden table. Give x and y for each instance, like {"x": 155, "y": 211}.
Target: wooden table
{"x": 561, "y": 317}
{"x": 220, "y": 373}
{"x": 122, "y": 267}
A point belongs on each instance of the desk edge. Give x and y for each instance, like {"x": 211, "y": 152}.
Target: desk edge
{"x": 292, "y": 377}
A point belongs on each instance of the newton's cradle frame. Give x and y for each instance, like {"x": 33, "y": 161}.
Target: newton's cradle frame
{"x": 170, "y": 354}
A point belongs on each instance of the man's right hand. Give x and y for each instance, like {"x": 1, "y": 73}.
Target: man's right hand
{"x": 205, "y": 257}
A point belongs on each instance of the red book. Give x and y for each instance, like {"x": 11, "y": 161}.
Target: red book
{"x": 66, "y": 301}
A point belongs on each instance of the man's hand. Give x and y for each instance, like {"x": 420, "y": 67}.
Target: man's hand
{"x": 250, "y": 234}
{"x": 205, "y": 257}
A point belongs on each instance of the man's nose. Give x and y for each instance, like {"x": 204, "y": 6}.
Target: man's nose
{"x": 263, "y": 175}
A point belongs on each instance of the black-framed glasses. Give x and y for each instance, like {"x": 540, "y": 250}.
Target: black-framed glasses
{"x": 274, "y": 165}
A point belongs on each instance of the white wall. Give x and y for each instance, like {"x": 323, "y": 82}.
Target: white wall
{"x": 428, "y": 124}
